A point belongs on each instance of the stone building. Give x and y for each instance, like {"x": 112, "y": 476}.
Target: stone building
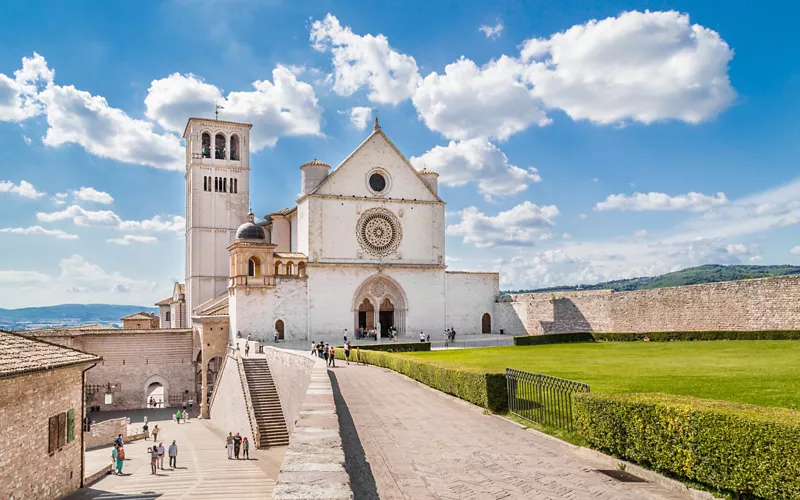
{"x": 137, "y": 364}
{"x": 41, "y": 411}
{"x": 172, "y": 310}
{"x": 363, "y": 247}
{"x": 140, "y": 321}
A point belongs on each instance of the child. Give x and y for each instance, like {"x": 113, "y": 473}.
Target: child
{"x": 246, "y": 449}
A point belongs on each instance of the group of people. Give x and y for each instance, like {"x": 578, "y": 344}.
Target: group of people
{"x": 449, "y": 336}
{"x": 374, "y": 333}
{"x": 236, "y": 445}
{"x": 154, "y": 403}
{"x": 328, "y": 352}
{"x": 157, "y": 456}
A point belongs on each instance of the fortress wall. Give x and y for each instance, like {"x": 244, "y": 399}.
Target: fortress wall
{"x": 291, "y": 371}
{"x": 757, "y": 304}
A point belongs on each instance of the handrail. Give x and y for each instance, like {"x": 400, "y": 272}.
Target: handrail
{"x": 251, "y": 414}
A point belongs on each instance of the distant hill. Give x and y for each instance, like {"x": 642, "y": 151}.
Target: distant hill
{"x": 709, "y": 273}
{"x": 64, "y": 315}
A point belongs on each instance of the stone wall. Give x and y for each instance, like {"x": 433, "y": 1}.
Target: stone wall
{"x": 27, "y": 402}
{"x": 291, "y": 371}
{"x": 470, "y": 295}
{"x": 757, "y": 304}
{"x": 228, "y": 407}
{"x": 104, "y": 433}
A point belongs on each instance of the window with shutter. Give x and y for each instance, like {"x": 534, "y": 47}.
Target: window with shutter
{"x": 62, "y": 430}
{"x": 52, "y": 445}
{"x": 71, "y": 425}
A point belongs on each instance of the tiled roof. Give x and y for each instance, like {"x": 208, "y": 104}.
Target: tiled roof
{"x": 290, "y": 255}
{"x": 74, "y": 332}
{"x": 141, "y": 315}
{"x": 20, "y": 355}
{"x": 165, "y": 302}
{"x": 315, "y": 163}
{"x": 283, "y": 211}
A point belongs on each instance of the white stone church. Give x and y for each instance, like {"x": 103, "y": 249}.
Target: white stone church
{"x": 363, "y": 247}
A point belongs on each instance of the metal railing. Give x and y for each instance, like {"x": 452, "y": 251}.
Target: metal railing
{"x": 541, "y": 398}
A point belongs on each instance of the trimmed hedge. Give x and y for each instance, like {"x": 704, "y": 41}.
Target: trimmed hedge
{"x": 747, "y": 449}
{"x": 566, "y": 338}
{"x": 392, "y": 347}
{"x": 553, "y": 338}
{"x": 486, "y": 389}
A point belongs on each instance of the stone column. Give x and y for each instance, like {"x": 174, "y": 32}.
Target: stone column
{"x": 204, "y": 386}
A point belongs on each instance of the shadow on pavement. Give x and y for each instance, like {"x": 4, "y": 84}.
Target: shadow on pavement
{"x": 95, "y": 493}
{"x": 355, "y": 460}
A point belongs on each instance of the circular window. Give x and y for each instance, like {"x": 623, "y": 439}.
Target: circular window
{"x": 377, "y": 182}
{"x": 379, "y": 231}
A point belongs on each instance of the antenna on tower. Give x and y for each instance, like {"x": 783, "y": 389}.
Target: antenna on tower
{"x": 217, "y": 107}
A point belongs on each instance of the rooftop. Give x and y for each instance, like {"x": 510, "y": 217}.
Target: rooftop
{"x": 74, "y": 332}
{"x": 20, "y": 355}
{"x": 141, "y": 315}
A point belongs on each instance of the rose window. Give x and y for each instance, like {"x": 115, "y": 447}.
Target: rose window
{"x": 379, "y": 231}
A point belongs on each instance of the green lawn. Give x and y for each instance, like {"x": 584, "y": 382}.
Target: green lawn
{"x": 759, "y": 372}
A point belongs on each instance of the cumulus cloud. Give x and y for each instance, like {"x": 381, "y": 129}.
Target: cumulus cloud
{"x": 18, "y": 95}
{"x": 39, "y": 230}
{"x": 694, "y": 202}
{"x": 107, "y": 218}
{"x": 468, "y": 101}
{"x": 280, "y": 108}
{"x": 24, "y": 189}
{"x": 478, "y": 161}
{"x": 93, "y": 195}
{"x": 132, "y": 238}
{"x": 492, "y": 32}
{"x": 359, "y": 117}
{"x": 639, "y": 66}
{"x": 365, "y": 61}
{"x": 795, "y": 250}
{"x": 518, "y": 226}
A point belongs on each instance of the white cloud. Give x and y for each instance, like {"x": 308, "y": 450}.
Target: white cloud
{"x": 795, "y": 250}
{"x": 39, "y": 230}
{"x": 281, "y": 108}
{"x": 695, "y": 202}
{"x": 131, "y": 238}
{"x": 27, "y": 140}
{"x": 107, "y": 218}
{"x": 479, "y": 161}
{"x": 18, "y": 95}
{"x": 60, "y": 198}
{"x": 24, "y": 189}
{"x": 518, "y": 226}
{"x": 639, "y": 66}
{"x": 76, "y": 116}
{"x": 466, "y": 101}
{"x": 583, "y": 216}
{"x": 77, "y": 272}
{"x": 93, "y": 195}
{"x": 492, "y": 32}
{"x": 365, "y": 61}
{"x": 641, "y": 233}
{"x": 566, "y": 236}
{"x": 359, "y": 117}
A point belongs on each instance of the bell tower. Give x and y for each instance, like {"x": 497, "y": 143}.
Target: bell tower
{"x": 217, "y": 202}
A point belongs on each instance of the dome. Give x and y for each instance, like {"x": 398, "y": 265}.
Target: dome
{"x": 250, "y": 230}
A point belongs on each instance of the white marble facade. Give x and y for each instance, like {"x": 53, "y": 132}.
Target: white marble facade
{"x": 363, "y": 246}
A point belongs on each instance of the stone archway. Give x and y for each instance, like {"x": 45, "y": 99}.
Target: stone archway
{"x": 380, "y": 300}
{"x": 156, "y": 387}
{"x": 279, "y": 327}
{"x": 486, "y": 323}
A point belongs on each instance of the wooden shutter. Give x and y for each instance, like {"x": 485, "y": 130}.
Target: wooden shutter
{"x": 62, "y": 430}
{"x": 71, "y": 425}
{"x": 52, "y": 434}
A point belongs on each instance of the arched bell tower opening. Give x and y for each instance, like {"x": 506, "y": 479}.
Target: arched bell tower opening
{"x": 380, "y": 302}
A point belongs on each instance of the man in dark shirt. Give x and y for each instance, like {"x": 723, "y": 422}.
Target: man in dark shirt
{"x": 237, "y": 445}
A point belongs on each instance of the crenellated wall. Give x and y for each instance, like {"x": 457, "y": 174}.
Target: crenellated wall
{"x": 757, "y": 304}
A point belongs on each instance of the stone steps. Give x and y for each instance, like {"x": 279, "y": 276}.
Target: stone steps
{"x": 266, "y": 403}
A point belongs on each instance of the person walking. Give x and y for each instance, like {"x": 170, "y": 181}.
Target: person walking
{"x": 146, "y": 430}
{"x": 178, "y": 416}
{"x": 118, "y": 441}
{"x": 229, "y": 445}
{"x": 326, "y": 352}
{"x": 345, "y": 335}
{"x": 332, "y": 360}
{"x": 237, "y": 445}
{"x": 173, "y": 455}
{"x": 313, "y": 348}
{"x": 114, "y": 457}
{"x": 421, "y": 337}
{"x": 347, "y": 352}
{"x": 319, "y": 350}
{"x": 161, "y": 452}
{"x": 155, "y": 433}
{"x": 153, "y": 459}
{"x": 120, "y": 459}
{"x": 247, "y": 349}
{"x": 358, "y": 355}
{"x": 246, "y": 449}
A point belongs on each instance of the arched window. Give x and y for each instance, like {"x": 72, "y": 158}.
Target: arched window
{"x": 301, "y": 269}
{"x": 254, "y": 267}
{"x": 290, "y": 268}
{"x": 206, "y": 145}
{"x": 167, "y": 316}
{"x": 219, "y": 147}
{"x": 205, "y": 183}
{"x": 236, "y": 186}
{"x": 216, "y": 184}
{"x": 486, "y": 323}
{"x": 277, "y": 268}
{"x": 224, "y": 184}
{"x": 234, "y": 147}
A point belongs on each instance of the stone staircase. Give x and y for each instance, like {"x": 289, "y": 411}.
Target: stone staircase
{"x": 266, "y": 404}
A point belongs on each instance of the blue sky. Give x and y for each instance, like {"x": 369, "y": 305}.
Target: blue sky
{"x": 576, "y": 143}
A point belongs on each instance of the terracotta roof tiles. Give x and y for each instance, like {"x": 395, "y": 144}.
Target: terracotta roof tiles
{"x": 20, "y": 355}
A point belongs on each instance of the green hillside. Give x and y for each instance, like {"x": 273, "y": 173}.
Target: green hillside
{"x": 709, "y": 273}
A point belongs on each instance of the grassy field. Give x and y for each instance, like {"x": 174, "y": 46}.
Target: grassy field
{"x": 759, "y": 372}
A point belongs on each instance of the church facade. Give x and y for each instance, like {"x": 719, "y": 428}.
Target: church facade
{"x": 363, "y": 247}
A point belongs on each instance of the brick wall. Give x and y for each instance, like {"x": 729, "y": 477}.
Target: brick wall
{"x": 26, "y": 404}
{"x": 758, "y": 304}
{"x": 104, "y": 433}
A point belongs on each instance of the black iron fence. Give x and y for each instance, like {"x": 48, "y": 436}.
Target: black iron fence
{"x": 541, "y": 398}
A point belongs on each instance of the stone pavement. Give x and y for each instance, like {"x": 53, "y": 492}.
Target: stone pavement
{"x": 203, "y": 471}
{"x": 406, "y": 441}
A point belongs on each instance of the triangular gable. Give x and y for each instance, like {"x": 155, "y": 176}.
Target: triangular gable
{"x": 416, "y": 187}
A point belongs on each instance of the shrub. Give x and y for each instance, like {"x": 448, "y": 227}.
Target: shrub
{"x": 486, "y": 389}
{"x": 750, "y": 450}
{"x": 553, "y": 338}
{"x": 401, "y": 347}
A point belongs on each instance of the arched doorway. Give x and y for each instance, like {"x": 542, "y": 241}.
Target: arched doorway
{"x": 380, "y": 299}
{"x": 366, "y": 315}
{"x": 279, "y": 328}
{"x": 156, "y": 392}
{"x": 212, "y": 371}
{"x": 386, "y": 316}
{"x": 486, "y": 323}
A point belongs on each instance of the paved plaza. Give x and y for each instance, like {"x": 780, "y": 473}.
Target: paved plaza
{"x": 406, "y": 441}
{"x": 203, "y": 472}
